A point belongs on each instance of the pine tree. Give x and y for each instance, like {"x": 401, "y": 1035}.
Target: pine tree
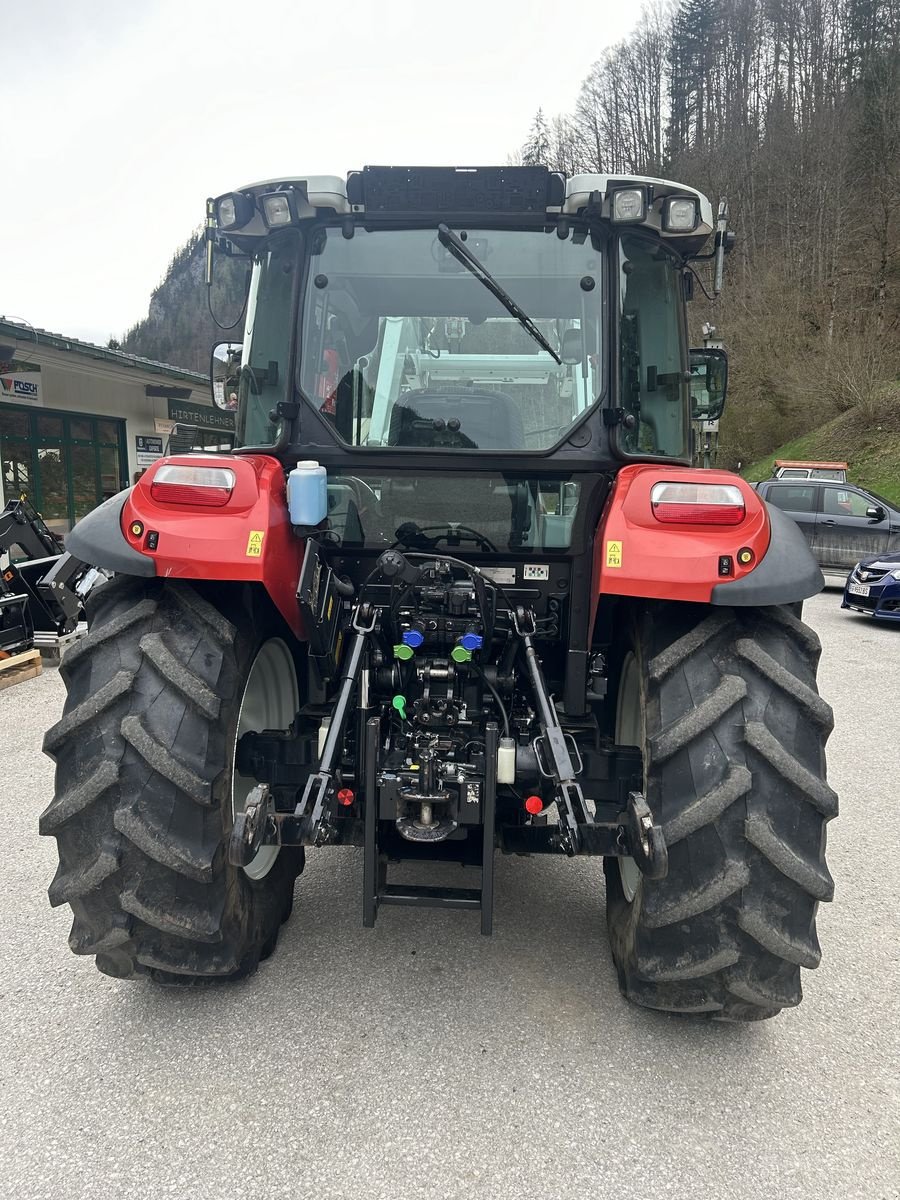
{"x": 536, "y": 150}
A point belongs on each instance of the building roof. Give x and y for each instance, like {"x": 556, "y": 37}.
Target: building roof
{"x": 56, "y": 341}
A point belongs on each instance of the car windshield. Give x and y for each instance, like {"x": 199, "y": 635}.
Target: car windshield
{"x": 406, "y": 345}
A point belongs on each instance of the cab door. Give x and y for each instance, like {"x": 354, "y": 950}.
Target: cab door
{"x": 798, "y": 499}
{"x": 846, "y": 530}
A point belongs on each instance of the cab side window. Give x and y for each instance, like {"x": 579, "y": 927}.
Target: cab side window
{"x": 840, "y": 502}
{"x": 793, "y": 497}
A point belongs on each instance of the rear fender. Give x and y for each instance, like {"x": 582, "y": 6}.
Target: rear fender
{"x": 249, "y": 539}
{"x": 636, "y": 555}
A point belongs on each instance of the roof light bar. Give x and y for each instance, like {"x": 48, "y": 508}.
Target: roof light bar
{"x": 685, "y": 503}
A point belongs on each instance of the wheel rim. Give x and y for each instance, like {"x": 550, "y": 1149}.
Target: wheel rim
{"x": 630, "y": 732}
{"x": 270, "y": 701}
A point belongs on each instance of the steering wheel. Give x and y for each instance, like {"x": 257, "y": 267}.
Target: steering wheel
{"x": 445, "y": 533}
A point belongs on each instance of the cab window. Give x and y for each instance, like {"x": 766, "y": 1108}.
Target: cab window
{"x": 839, "y": 502}
{"x": 793, "y": 497}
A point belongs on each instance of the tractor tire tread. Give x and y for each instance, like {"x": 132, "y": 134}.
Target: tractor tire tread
{"x": 142, "y": 802}
{"x": 735, "y": 775}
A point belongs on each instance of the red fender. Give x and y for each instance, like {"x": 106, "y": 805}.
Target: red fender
{"x": 248, "y": 539}
{"x": 637, "y": 555}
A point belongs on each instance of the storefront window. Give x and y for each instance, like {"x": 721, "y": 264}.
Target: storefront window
{"x": 65, "y": 465}
{"x": 13, "y": 423}
{"x": 49, "y": 427}
{"x": 52, "y": 475}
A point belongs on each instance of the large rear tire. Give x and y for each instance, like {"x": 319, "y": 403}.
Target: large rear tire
{"x": 143, "y": 804}
{"x": 733, "y": 732}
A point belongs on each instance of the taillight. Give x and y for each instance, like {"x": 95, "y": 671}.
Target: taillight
{"x": 209, "y": 487}
{"x": 690, "y": 503}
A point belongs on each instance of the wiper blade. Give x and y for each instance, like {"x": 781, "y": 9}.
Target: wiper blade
{"x": 463, "y": 254}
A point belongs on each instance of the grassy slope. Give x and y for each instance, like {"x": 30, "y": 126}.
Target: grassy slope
{"x": 872, "y": 450}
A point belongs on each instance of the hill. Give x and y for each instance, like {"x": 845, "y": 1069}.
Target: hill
{"x": 871, "y": 447}
{"x": 178, "y": 328}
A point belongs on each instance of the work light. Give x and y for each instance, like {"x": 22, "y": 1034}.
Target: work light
{"x": 279, "y": 208}
{"x": 233, "y": 210}
{"x": 680, "y": 214}
{"x": 628, "y": 205}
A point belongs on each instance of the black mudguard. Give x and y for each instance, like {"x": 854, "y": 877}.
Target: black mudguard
{"x": 787, "y": 573}
{"x": 97, "y": 539}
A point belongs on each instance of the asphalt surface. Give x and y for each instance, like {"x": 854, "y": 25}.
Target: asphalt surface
{"x": 422, "y": 1060}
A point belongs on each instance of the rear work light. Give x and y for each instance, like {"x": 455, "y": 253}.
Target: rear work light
{"x": 686, "y": 503}
{"x": 209, "y": 487}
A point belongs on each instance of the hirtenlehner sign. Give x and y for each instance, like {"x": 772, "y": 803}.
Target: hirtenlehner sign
{"x": 187, "y": 413}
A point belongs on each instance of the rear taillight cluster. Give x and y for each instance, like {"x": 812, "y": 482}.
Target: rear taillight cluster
{"x": 208, "y": 487}
{"x": 690, "y": 503}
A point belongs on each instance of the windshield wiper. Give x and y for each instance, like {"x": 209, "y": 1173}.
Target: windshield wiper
{"x": 463, "y": 254}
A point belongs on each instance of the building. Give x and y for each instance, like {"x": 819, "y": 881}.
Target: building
{"x": 78, "y": 421}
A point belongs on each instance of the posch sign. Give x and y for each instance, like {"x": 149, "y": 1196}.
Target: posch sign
{"x": 20, "y": 383}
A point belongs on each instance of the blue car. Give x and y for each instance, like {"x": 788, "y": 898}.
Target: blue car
{"x": 873, "y": 587}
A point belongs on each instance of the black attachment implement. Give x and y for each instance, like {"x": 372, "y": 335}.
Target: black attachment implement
{"x": 42, "y": 571}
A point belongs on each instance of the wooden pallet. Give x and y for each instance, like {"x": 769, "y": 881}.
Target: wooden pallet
{"x": 19, "y": 667}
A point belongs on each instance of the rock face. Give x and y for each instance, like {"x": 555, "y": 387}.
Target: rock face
{"x": 178, "y": 328}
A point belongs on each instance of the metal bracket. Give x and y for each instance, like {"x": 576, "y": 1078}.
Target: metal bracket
{"x": 253, "y": 828}
{"x": 320, "y": 785}
{"x": 646, "y": 840}
{"x": 557, "y": 765}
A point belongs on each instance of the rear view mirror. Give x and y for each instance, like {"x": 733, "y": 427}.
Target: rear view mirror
{"x": 572, "y": 349}
{"x": 875, "y": 512}
{"x": 709, "y": 383}
{"x": 224, "y": 373}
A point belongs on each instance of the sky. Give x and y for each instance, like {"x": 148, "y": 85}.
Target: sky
{"x": 119, "y": 119}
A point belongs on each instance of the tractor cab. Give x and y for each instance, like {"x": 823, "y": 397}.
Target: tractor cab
{"x": 464, "y": 314}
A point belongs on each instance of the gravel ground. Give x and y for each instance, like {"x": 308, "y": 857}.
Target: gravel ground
{"x": 421, "y": 1060}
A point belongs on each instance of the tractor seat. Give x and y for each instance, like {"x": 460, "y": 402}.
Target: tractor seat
{"x": 464, "y": 419}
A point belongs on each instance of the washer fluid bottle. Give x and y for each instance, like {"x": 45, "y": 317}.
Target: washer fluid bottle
{"x": 307, "y": 493}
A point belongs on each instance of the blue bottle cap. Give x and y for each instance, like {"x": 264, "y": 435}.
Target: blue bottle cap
{"x": 471, "y": 641}
{"x": 412, "y": 637}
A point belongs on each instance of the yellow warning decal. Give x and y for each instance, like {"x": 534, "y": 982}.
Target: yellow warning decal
{"x": 254, "y": 543}
{"x": 614, "y": 554}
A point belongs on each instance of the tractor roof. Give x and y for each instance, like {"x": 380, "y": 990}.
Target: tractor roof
{"x": 419, "y": 191}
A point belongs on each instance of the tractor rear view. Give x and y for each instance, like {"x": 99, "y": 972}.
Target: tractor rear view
{"x": 456, "y": 592}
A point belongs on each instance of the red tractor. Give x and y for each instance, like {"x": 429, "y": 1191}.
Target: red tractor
{"x": 456, "y": 590}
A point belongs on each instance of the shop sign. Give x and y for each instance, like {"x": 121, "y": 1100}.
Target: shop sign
{"x": 20, "y": 383}
{"x": 147, "y": 450}
{"x": 187, "y": 413}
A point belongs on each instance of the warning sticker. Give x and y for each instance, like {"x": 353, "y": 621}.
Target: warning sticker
{"x": 614, "y": 554}
{"x": 254, "y": 543}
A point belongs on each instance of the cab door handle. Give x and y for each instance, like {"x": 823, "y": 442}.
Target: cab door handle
{"x": 829, "y": 522}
